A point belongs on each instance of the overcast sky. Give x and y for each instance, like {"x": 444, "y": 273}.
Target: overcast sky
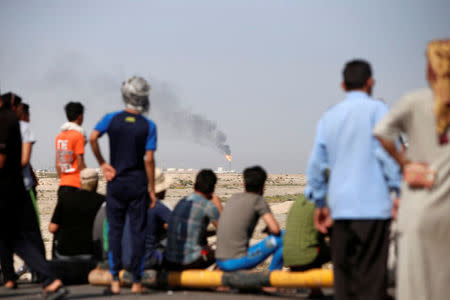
{"x": 260, "y": 72}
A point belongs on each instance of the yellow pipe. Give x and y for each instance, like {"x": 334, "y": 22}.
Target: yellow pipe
{"x": 195, "y": 278}
{"x": 315, "y": 278}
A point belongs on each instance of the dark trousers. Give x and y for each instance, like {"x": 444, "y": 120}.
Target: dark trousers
{"x": 74, "y": 270}
{"x": 359, "y": 250}
{"x": 15, "y": 228}
{"x": 127, "y": 196}
{"x": 28, "y": 251}
{"x": 30, "y": 231}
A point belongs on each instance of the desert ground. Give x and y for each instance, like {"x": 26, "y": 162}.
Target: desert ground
{"x": 281, "y": 190}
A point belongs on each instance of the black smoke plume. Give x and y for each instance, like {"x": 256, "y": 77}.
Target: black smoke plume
{"x": 167, "y": 109}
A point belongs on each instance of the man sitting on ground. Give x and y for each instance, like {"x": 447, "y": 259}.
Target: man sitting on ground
{"x": 74, "y": 216}
{"x": 237, "y": 223}
{"x": 304, "y": 247}
{"x": 187, "y": 246}
{"x": 71, "y": 224}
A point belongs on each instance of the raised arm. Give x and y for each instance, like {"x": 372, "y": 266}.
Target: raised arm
{"x": 391, "y": 148}
{"x": 388, "y": 128}
{"x": 108, "y": 171}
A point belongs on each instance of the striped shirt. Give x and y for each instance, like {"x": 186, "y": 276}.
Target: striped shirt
{"x": 186, "y": 235}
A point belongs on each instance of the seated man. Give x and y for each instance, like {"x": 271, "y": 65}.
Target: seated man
{"x": 72, "y": 224}
{"x": 304, "y": 247}
{"x": 74, "y": 216}
{"x": 187, "y": 246}
{"x": 237, "y": 223}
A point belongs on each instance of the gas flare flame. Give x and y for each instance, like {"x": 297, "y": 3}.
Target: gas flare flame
{"x": 228, "y": 156}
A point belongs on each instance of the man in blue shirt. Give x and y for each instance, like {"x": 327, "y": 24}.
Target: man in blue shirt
{"x": 358, "y": 204}
{"x": 130, "y": 177}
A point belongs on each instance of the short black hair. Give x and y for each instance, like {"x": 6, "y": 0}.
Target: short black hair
{"x": 10, "y": 99}
{"x": 254, "y": 179}
{"x": 73, "y": 110}
{"x": 26, "y": 108}
{"x": 205, "y": 181}
{"x": 356, "y": 73}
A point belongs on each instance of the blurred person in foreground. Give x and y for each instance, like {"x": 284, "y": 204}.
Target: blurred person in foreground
{"x": 237, "y": 223}
{"x": 187, "y": 245}
{"x": 356, "y": 200}
{"x": 423, "y": 214}
{"x": 30, "y": 209}
{"x": 14, "y": 225}
{"x": 130, "y": 176}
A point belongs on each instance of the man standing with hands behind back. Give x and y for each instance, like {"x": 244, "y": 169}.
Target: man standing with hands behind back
{"x": 130, "y": 177}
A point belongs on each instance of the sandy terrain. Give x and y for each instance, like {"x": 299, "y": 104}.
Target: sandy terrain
{"x": 228, "y": 184}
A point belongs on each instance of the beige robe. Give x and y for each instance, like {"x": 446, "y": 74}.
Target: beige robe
{"x": 424, "y": 214}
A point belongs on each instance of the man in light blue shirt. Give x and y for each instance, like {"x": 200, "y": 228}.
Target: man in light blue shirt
{"x": 356, "y": 200}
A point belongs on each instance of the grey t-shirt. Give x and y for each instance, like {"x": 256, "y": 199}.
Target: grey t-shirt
{"x": 237, "y": 223}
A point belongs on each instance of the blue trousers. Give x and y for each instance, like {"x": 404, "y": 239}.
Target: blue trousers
{"x": 127, "y": 196}
{"x": 257, "y": 254}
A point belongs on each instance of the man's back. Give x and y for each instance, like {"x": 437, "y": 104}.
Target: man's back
{"x": 68, "y": 144}
{"x": 237, "y": 223}
{"x": 75, "y": 216}
{"x": 356, "y": 186}
{"x": 301, "y": 240}
{"x": 186, "y": 234}
{"x": 130, "y": 135}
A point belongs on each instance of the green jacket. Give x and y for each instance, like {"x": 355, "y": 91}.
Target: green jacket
{"x": 301, "y": 240}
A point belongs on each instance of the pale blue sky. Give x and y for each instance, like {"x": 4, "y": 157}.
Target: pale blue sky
{"x": 263, "y": 71}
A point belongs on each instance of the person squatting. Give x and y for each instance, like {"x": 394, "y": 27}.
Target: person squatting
{"x": 354, "y": 188}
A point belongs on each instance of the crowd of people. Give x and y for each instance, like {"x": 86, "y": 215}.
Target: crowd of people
{"x": 354, "y": 188}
